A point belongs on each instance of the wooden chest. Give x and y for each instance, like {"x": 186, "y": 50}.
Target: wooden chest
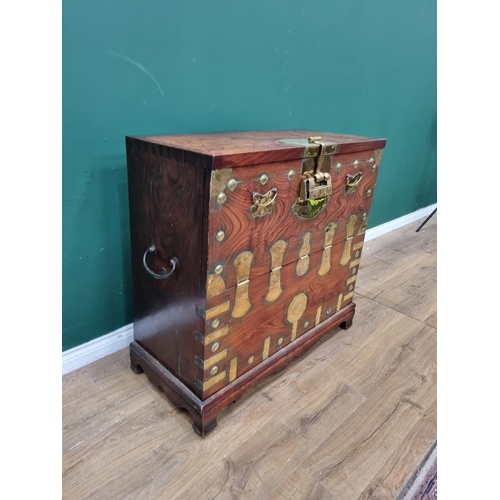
{"x": 245, "y": 252}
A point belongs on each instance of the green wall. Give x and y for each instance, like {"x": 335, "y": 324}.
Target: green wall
{"x": 361, "y": 67}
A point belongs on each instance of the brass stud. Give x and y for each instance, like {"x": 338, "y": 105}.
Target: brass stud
{"x": 351, "y": 288}
{"x": 232, "y": 184}
{"x": 328, "y": 311}
{"x": 215, "y": 347}
{"x": 220, "y": 235}
{"x": 306, "y": 324}
{"x": 338, "y": 167}
{"x": 355, "y": 164}
{"x": 214, "y": 370}
{"x": 221, "y": 198}
{"x": 353, "y": 270}
{"x": 368, "y": 192}
{"x": 371, "y": 161}
{"x": 250, "y": 360}
{"x": 291, "y": 174}
{"x": 215, "y": 323}
{"x": 356, "y": 254}
{"x": 263, "y": 179}
{"x": 218, "y": 269}
{"x": 280, "y": 340}
{"x": 374, "y": 167}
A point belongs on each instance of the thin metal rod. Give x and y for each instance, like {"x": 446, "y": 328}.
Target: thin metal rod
{"x": 425, "y": 221}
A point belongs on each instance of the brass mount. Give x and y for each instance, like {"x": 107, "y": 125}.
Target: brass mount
{"x": 315, "y": 180}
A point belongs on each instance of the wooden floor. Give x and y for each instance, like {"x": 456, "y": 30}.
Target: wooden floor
{"x": 351, "y": 419}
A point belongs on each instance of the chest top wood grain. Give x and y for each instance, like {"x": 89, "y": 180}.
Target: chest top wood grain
{"x": 234, "y": 149}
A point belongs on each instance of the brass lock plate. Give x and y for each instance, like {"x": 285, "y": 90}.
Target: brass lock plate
{"x": 316, "y": 183}
{"x": 315, "y": 187}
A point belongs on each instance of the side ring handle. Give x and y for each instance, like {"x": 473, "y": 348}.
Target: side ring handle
{"x": 164, "y": 274}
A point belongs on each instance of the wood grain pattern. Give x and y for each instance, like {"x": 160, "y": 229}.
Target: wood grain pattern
{"x": 230, "y": 149}
{"x": 97, "y": 388}
{"x": 164, "y": 310}
{"x": 407, "y": 340}
{"x": 204, "y": 412}
{"x": 239, "y": 266}
{"x": 244, "y": 232}
{"x": 189, "y": 197}
{"x": 392, "y": 476}
{"x": 246, "y": 335}
{"x": 402, "y": 274}
{"x": 365, "y": 397}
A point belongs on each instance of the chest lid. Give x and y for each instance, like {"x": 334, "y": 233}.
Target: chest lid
{"x": 238, "y": 149}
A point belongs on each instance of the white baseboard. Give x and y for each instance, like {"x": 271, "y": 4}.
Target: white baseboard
{"x": 119, "y": 339}
{"x": 84, "y": 354}
{"x": 397, "y": 223}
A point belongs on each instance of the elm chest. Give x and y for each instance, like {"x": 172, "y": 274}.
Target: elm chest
{"x": 245, "y": 252}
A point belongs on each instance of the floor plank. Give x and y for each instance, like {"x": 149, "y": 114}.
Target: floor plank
{"x": 100, "y": 389}
{"x": 348, "y": 461}
{"x": 399, "y": 271}
{"x": 277, "y": 452}
{"x": 392, "y": 476}
{"x": 351, "y": 419}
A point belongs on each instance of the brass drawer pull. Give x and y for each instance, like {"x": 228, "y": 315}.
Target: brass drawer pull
{"x": 354, "y": 180}
{"x": 164, "y": 274}
{"x": 263, "y": 203}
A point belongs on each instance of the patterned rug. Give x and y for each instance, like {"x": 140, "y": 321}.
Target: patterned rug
{"x": 428, "y": 488}
{"x": 423, "y": 484}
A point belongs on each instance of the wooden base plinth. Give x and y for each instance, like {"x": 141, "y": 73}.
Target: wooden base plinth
{"x": 204, "y": 413}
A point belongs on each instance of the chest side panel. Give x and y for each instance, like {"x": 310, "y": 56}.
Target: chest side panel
{"x": 166, "y": 198}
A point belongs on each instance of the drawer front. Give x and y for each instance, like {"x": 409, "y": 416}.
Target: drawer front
{"x": 245, "y": 324}
{"x": 235, "y": 227}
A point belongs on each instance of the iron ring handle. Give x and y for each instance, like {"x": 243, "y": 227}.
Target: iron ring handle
{"x": 164, "y": 275}
{"x": 359, "y": 175}
{"x": 268, "y": 202}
